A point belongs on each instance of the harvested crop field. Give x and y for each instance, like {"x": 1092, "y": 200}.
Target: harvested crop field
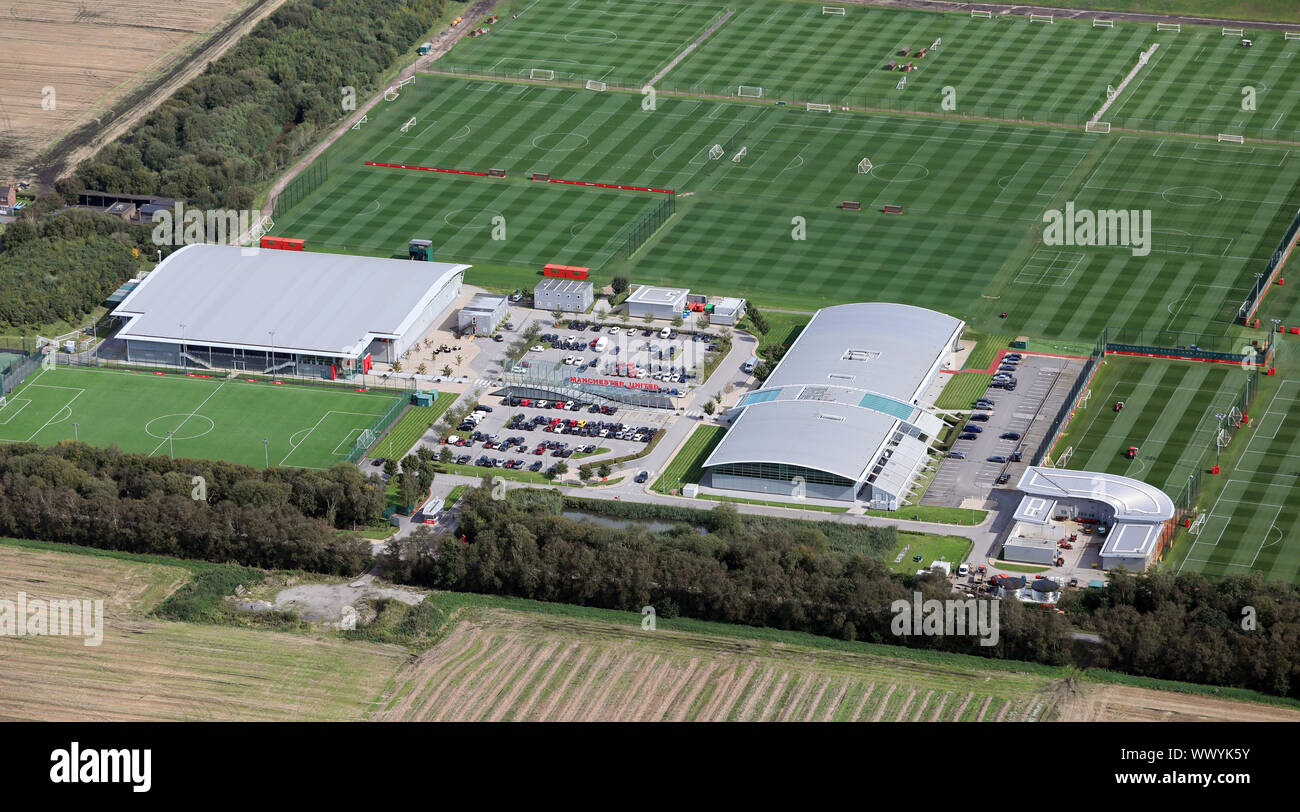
{"x": 505, "y": 665}
{"x": 151, "y": 670}
{"x": 94, "y": 55}
{"x": 1124, "y": 703}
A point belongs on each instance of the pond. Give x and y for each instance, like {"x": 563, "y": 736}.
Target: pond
{"x": 649, "y": 524}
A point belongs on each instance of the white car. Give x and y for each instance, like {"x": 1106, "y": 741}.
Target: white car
{"x": 963, "y": 571}
{"x": 614, "y": 331}
{"x": 578, "y": 360}
{"x": 538, "y": 348}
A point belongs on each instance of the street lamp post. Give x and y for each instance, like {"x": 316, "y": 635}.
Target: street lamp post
{"x": 171, "y": 446}
{"x": 266, "y": 450}
{"x": 184, "y": 364}
{"x": 76, "y": 435}
{"x": 273, "y": 370}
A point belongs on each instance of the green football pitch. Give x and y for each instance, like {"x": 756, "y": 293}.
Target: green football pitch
{"x": 1006, "y": 67}
{"x": 1171, "y": 411}
{"x": 600, "y": 40}
{"x": 141, "y": 412}
{"x": 969, "y": 242}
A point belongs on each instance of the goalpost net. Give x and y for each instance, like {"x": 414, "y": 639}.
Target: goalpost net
{"x": 825, "y": 108}
{"x": 1199, "y": 523}
{"x": 1097, "y": 127}
{"x": 391, "y": 94}
{"x": 364, "y": 441}
{"x": 902, "y": 83}
{"x": 364, "y": 118}
{"x": 1175, "y": 27}
{"x": 1234, "y": 32}
{"x": 1291, "y": 35}
{"x": 1097, "y": 22}
{"x": 716, "y": 151}
{"x": 1040, "y": 18}
{"x": 982, "y": 15}
{"x": 408, "y": 125}
{"x": 739, "y": 155}
{"x": 541, "y": 73}
{"x": 836, "y": 10}
{"x": 592, "y": 84}
{"x": 749, "y": 92}
{"x": 48, "y": 350}
{"x": 864, "y": 166}
{"x": 1232, "y": 139}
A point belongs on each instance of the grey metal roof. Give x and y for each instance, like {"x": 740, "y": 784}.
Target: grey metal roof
{"x": 650, "y": 294}
{"x": 486, "y": 302}
{"x": 877, "y": 346}
{"x": 863, "y": 363}
{"x": 829, "y": 437}
{"x": 556, "y": 285}
{"x": 1132, "y": 499}
{"x": 331, "y": 304}
{"x": 1131, "y": 540}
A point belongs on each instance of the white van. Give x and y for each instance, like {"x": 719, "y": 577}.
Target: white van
{"x": 749, "y": 365}
{"x": 664, "y": 333}
{"x": 601, "y": 344}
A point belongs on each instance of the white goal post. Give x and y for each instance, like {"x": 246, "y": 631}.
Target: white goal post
{"x": 716, "y": 151}
{"x": 825, "y": 108}
{"x": 1098, "y": 22}
{"x": 409, "y": 124}
{"x": 982, "y": 15}
{"x": 541, "y": 73}
{"x": 1291, "y": 35}
{"x": 1097, "y": 127}
{"x": 1041, "y": 18}
{"x": 410, "y": 80}
{"x": 1175, "y": 27}
{"x": 1232, "y": 139}
{"x": 864, "y": 166}
{"x": 1111, "y": 92}
{"x": 749, "y": 92}
{"x": 599, "y": 87}
{"x": 739, "y": 155}
{"x": 364, "y": 118}
{"x": 935, "y": 45}
{"x": 837, "y": 10}
{"x": 391, "y": 94}
{"x": 1234, "y": 32}
{"x": 902, "y": 83}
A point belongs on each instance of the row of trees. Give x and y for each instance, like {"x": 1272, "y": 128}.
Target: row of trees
{"x": 786, "y": 577}
{"x": 58, "y": 267}
{"x": 217, "y": 511}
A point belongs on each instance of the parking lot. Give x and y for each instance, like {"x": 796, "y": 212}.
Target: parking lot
{"x": 653, "y": 355}
{"x": 1042, "y": 384}
{"x": 532, "y": 435}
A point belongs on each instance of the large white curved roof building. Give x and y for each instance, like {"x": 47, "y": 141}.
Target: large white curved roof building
{"x": 842, "y": 410}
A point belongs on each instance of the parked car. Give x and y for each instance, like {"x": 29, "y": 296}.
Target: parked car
{"x": 983, "y": 418}
{"x": 997, "y": 458}
{"x": 972, "y": 430}
{"x": 969, "y": 437}
{"x": 957, "y": 455}
{"x": 1010, "y": 435}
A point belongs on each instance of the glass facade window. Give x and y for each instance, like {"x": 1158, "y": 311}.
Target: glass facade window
{"x": 781, "y": 472}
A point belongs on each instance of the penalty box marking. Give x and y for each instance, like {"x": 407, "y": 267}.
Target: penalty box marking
{"x": 1036, "y": 275}
{"x": 303, "y": 441}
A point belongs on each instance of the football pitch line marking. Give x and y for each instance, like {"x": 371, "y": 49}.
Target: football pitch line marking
{"x": 1045, "y": 267}
{"x": 220, "y": 386}
{"x": 294, "y": 447}
{"x": 1190, "y": 293}
{"x": 12, "y": 400}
